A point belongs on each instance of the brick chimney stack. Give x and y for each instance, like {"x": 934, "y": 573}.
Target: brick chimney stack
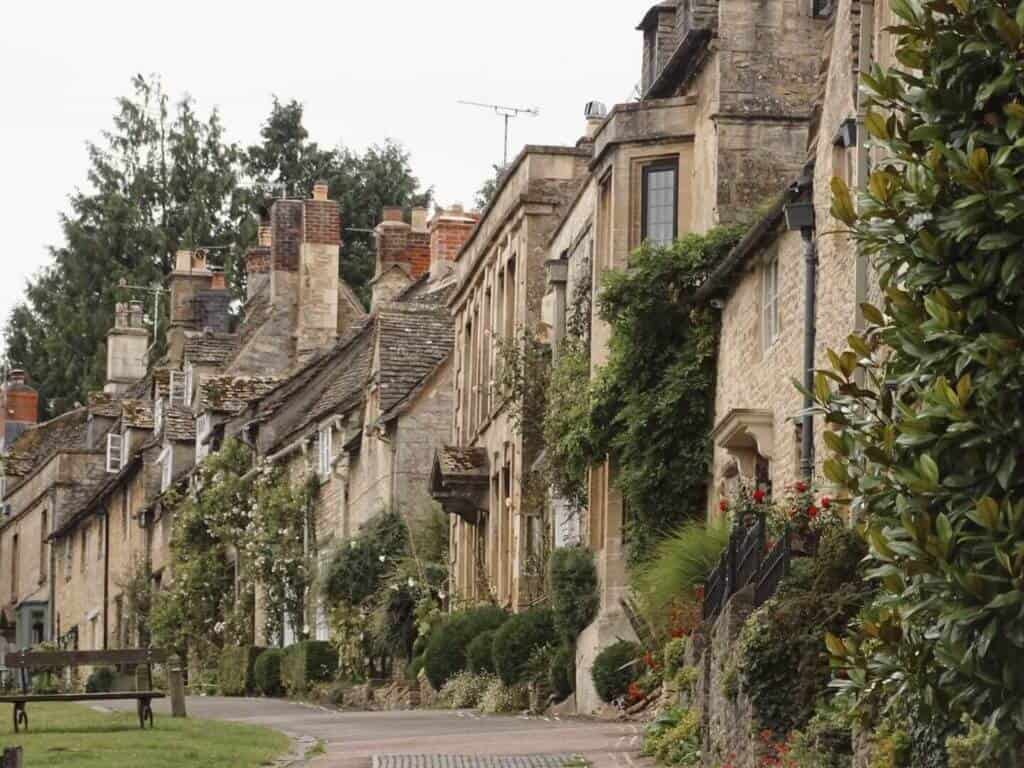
{"x": 449, "y": 231}
{"x": 127, "y": 348}
{"x": 403, "y": 252}
{"x": 318, "y": 280}
{"x": 19, "y": 407}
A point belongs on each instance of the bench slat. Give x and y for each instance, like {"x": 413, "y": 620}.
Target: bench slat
{"x": 122, "y": 696}
{"x": 36, "y": 659}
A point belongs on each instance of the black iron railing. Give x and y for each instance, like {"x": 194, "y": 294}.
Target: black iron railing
{"x": 745, "y": 561}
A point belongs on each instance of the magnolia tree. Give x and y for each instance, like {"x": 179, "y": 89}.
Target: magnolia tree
{"x": 926, "y": 408}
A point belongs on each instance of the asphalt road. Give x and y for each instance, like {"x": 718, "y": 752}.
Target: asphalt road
{"x": 425, "y": 738}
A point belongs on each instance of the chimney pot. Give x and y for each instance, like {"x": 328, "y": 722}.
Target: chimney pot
{"x": 265, "y": 237}
{"x": 121, "y": 315}
{"x": 135, "y": 314}
{"x": 183, "y": 261}
{"x": 320, "y": 190}
{"x": 392, "y": 213}
{"x": 17, "y": 376}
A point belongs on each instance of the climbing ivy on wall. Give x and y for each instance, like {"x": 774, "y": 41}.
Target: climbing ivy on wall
{"x": 238, "y": 526}
{"x": 652, "y": 403}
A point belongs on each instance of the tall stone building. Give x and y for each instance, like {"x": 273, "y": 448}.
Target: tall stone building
{"x": 727, "y": 88}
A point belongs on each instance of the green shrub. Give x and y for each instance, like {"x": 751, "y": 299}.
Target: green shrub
{"x": 500, "y": 699}
{"x": 413, "y": 669}
{"x": 235, "y": 670}
{"x": 674, "y": 738}
{"x": 465, "y": 690}
{"x": 101, "y": 680}
{"x": 358, "y": 566}
{"x": 615, "y": 668}
{"x": 446, "y": 651}
{"x": 516, "y": 641}
{"x": 308, "y": 662}
{"x": 420, "y": 646}
{"x": 480, "y": 653}
{"x": 562, "y": 674}
{"x": 675, "y": 656}
{"x": 574, "y": 600}
{"x": 266, "y": 672}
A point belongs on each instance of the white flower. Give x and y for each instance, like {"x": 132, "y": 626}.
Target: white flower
{"x": 412, "y": 582}
{"x": 382, "y": 558}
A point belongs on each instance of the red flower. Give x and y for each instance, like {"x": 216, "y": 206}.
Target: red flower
{"x": 635, "y": 693}
{"x": 723, "y": 505}
{"x": 812, "y": 511}
{"x": 758, "y": 496}
{"x": 800, "y": 486}
{"x": 649, "y": 661}
{"x": 826, "y": 502}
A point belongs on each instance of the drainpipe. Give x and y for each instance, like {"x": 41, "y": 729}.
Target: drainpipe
{"x": 810, "y": 296}
{"x": 106, "y": 577}
{"x": 865, "y": 56}
{"x": 799, "y": 212}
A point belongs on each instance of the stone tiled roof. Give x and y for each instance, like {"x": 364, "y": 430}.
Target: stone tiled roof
{"x": 414, "y": 339}
{"x": 179, "y": 424}
{"x": 105, "y": 405}
{"x": 137, "y": 413}
{"x": 36, "y": 445}
{"x": 230, "y": 394}
{"x": 211, "y": 348}
{"x": 454, "y": 460}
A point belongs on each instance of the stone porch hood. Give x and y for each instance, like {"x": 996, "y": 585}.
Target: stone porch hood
{"x": 459, "y": 482}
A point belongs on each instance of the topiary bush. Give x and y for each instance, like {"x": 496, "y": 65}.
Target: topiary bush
{"x": 101, "y": 680}
{"x": 562, "y": 674}
{"x": 572, "y": 577}
{"x": 308, "y": 662}
{"x": 615, "y": 668}
{"x": 235, "y": 670}
{"x": 266, "y": 672}
{"x": 446, "y": 650}
{"x": 480, "y": 653}
{"x": 516, "y": 641}
{"x": 413, "y": 669}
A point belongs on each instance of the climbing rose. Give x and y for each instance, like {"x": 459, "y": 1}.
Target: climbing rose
{"x": 812, "y": 511}
{"x": 723, "y": 505}
{"x": 826, "y": 502}
{"x": 800, "y": 486}
{"x": 758, "y": 496}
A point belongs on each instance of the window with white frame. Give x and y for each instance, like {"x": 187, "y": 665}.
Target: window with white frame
{"x": 179, "y": 389}
{"x": 158, "y": 416}
{"x": 115, "y": 453}
{"x": 190, "y": 383}
{"x": 326, "y": 452}
{"x": 770, "y": 301}
{"x": 167, "y": 468}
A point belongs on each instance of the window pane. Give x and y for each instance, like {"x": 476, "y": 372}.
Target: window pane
{"x": 660, "y": 206}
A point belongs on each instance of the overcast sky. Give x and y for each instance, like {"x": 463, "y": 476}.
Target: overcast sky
{"x": 365, "y": 71}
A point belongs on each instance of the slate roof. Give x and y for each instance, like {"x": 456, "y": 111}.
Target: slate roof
{"x": 179, "y": 424}
{"x": 36, "y": 445}
{"x": 230, "y": 394}
{"x": 414, "y": 339}
{"x": 211, "y": 348}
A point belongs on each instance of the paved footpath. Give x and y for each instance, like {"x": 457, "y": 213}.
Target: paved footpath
{"x": 431, "y": 738}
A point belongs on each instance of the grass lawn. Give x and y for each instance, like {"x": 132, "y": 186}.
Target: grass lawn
{"x": 76, "y": 736}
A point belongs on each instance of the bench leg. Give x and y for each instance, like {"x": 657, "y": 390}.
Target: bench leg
{"x": 145, "y": 713}
{"x": 20, "y": 715}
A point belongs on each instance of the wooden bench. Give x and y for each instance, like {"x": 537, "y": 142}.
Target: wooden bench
{"x": 23, "y": 661}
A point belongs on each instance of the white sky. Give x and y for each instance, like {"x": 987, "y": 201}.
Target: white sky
{"x": 364, "y": 71}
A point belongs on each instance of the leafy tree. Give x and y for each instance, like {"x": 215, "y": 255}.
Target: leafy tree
{"x": 159, "y": 180}
{"x": 651, "y": 405}
{"x": 926, "y": 407}
{"x": 489, "y": 188}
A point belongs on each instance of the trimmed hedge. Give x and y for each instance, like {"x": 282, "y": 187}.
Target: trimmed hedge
{"x": 308, "y": 662}
{"x": 266, "y": 672}
{"x": 446, "y": 651}
{"x": 572, "y": 576}
{"x": 235, "y": 670}
{"x": 516, "y": 641}
{"x": 562, "y": 674}
{"x": 101, "y": 680}
{"x": 614, "y": 669}
{"x": 480, "y": 653}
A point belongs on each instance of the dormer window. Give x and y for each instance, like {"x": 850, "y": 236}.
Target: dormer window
{"x": 115, "y": 453}
{"x": 179, "y": 389}
{"x": 190, "y": 383}
{"x": 158, "y": 416}
{"x": 822, "y": 9}
{"x": 325, "y": 453}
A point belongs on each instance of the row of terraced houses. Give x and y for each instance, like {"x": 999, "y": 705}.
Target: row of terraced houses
{"x": 746, "y": 111}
